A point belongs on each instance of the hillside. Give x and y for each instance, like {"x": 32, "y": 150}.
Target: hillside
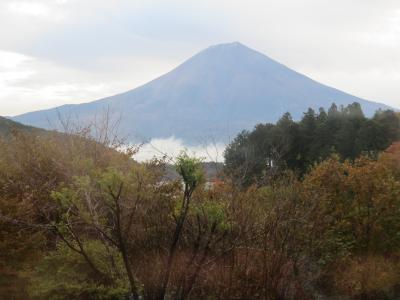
{"x": 215, "y": 94}
{"x": 7, "y": 126}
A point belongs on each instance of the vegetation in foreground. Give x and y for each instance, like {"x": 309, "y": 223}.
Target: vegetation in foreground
{"x": 81, "y": 220}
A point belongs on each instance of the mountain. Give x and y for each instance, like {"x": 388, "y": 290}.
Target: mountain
{"x": 215, "y": 94}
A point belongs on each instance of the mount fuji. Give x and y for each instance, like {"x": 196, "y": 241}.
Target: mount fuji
{"x": 216, "y": 93}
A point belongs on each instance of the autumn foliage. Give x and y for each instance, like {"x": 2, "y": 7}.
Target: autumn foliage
{"x": 80, "y": 219}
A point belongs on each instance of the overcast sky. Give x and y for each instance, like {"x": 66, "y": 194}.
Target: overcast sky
{"x": 54, "y": 52}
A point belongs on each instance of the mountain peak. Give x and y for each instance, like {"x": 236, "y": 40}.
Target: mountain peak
{"x": 228, "y": 45}
{"x": 229, "y": 48}
{"x": 227, "y": 58}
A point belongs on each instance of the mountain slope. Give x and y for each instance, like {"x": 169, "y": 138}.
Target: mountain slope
{"x": 216, "y": 93}
{"x": 7, "y": 126}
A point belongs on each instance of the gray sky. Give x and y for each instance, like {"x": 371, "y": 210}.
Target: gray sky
{"x": 54, "y": 52}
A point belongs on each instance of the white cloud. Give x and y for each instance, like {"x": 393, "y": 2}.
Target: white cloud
{"x": 172, "y": 147}
{"x": 29, "y": 8}
{"x": 28, "y": 83}
{"x": 11, "y": 70}
{"x": 20, "y": 90}
{"x": 9, "y": 60}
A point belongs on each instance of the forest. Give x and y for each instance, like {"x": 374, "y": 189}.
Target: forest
{"x": 305, "y": 209}
{"x": 345, "y": 131}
